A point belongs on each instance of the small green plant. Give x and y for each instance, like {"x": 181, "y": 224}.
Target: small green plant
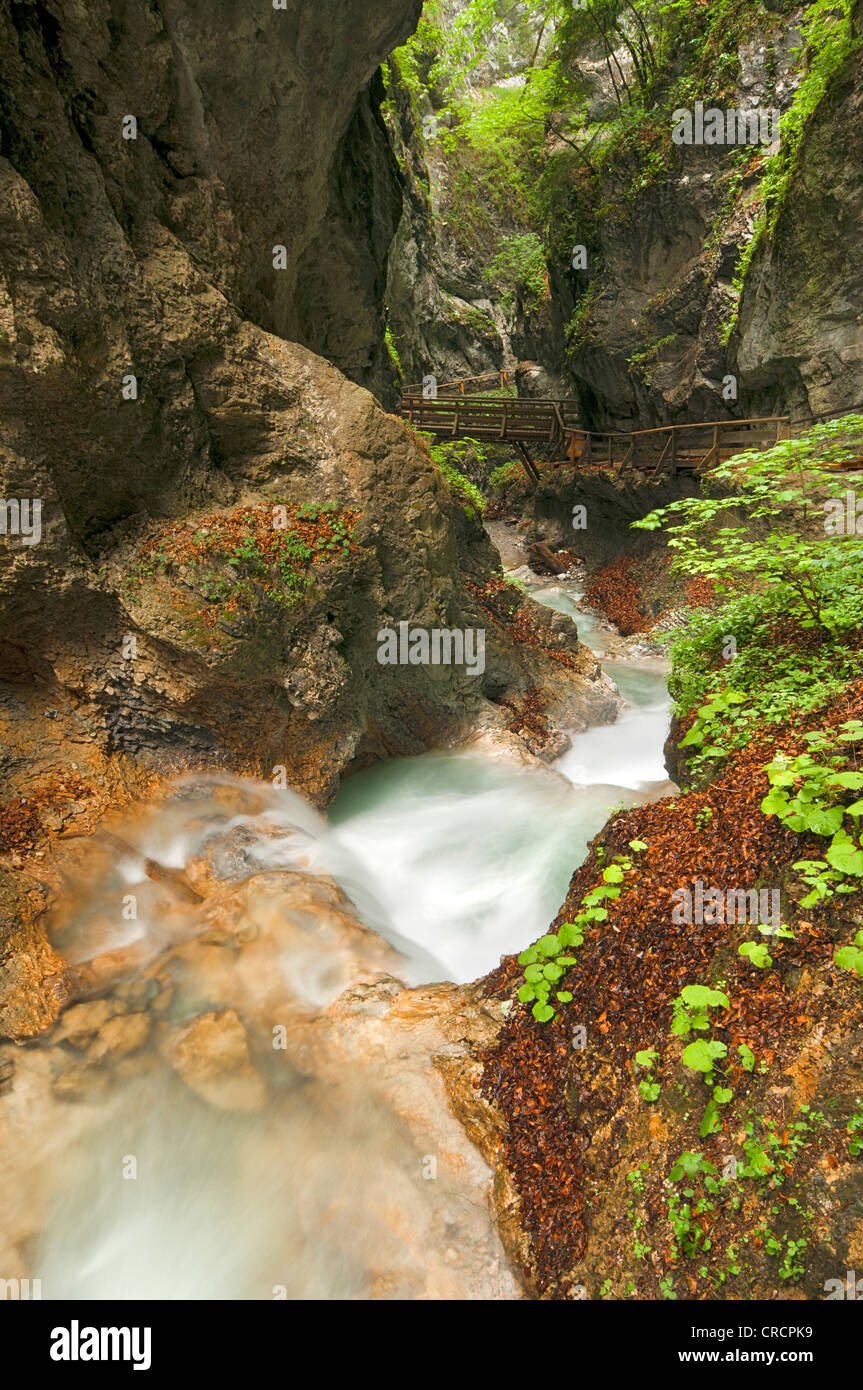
{"x": 815, "y": 793}
{"x": 636, "y": 1179}
{"x": 393, "y": 353}
{"x": 756, "y": 953}
{"x": 690, "y": 1009}
{"x": 649, "y": 1087}
{"x": 855, "y": 1130}
{"x": 446, "y": 458}
{"x": 747, "y": 1057}
{"x": 704, "y": 733}
{"x": 546, "y": 961}
{"x": 851, "y": 957}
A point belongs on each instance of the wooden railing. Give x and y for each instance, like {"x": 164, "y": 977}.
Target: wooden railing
{"x": 674, "y": 448}
{"x": 489, "y": 381}
{"x": 553, "y": 424}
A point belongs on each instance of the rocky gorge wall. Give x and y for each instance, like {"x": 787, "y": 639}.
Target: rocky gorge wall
{"x": 655, "y": 344}
{"x": 163, "y": 398}
{"x": 670, "y": 303}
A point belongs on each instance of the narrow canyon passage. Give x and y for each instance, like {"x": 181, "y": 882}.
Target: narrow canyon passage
{"x": 431, "y": 665}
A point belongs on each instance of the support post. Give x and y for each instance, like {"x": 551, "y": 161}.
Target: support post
{"x": 530, "y": 467}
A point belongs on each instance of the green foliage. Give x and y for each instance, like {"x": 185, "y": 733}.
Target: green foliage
{"x": 829, "y": 39}
{"x": 790, "y": 592}
{"x": 519, "y": 270}
{"x": 756, "y": 953}
{"x": 649, "y": 1088}
{"x": 546, "y": 961}
{"x": 855, "y": 1130}
{"x": 393, "y": 353}
{"x": 851, "y": 957}
{"x": 747, "y": 1057}
{"x": 641, "y": 361}
{"x": 504, "y": 474}
{"x": 702, "y": 1054}
{"x": 447, "y": 458}
{"x": 530, "y": 158}
{"x": 690, "y": 1010}
{"x": 817, "y": 793}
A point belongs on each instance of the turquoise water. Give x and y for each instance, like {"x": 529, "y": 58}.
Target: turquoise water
{"x": 468, "y": 857}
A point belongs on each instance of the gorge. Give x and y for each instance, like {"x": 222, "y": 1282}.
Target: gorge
{"x": 353, "y": 770}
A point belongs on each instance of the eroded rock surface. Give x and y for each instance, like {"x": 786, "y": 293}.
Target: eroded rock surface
{"x": 263, "y": 1083}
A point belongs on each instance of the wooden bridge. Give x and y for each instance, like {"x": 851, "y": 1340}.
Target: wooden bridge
{"x": 528, "y": 424}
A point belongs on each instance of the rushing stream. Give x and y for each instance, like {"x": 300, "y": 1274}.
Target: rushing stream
{"x": 305, "y": 1173}
{"x": 468, "y": 858}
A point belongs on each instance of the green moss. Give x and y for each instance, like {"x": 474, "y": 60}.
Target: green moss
{"x": 446, "y": 458}
{"x": 393, "y": 353}
{"x": 829, "y": 41}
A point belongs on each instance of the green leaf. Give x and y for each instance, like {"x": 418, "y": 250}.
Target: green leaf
{"x": 690, "y": 1164}
{"x": 702, "y": 996}
{"x": 710, "y": 1123}
{"x": 846, "y": 857}
{"x": 701, "y": 1054}
{"x": 849, "y": 958}
{"x": 824, "y": 822}
{"x": 757, "y": 953}
{"x": 852, "y": 780}
{"x": 543, "y": 1012}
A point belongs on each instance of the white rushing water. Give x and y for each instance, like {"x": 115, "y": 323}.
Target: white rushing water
{"x": 455, "y": 859}
{"x": 469, "y": 859}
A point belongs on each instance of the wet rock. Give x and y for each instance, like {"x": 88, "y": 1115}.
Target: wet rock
{"x": 82, "y": 1022}
{"x": 78, "y": 1082}
{"x": 119, "y": 1037}
{"x": 212, "y": 1057}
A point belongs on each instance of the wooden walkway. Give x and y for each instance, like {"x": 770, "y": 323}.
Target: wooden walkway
{"x": 526, "y": 424}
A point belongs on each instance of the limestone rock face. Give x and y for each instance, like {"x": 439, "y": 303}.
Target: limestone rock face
{"x": 437, "y": 303}
{"x": 146, "y": 375}
{"x": 184, "y": 190}
{"x": 803, "y": 306}
{"x": 660, "y": 296}
{"x": 212, "y": 1057}
{"x": 248, "y": 118}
